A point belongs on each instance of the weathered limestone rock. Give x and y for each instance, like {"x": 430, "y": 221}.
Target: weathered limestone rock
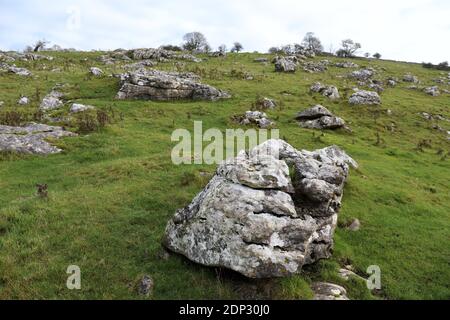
{"x": 331, "y": 92}
{"x": 265, "y": 103}
{"x": 160, "y": 55}
{"x": 328, "y": 291}
{"x": 432, "y": 91}
{"x": 286, "y": 64}
{"x": 362, "y": 75}
{"x": 346, "y": 64}
{"x": 254, "y": 219}
{"x": 256, "y": 117}
{"x": 23, "y": 101}
{"x": 13, "y": 69}
{"x": 96, "y": 71}
{"x": 314, "y": 67}
{"x": 160, "y": 85}
{"x": 31, "y": 138}
{"x": 365, "y": 97}
{"x": 319, "y": 117}
{"x": 141, "y": 64}
{"x": 77, "y": 107}
{"x": 410, "y": 78}
{"x": 52, "y": 101}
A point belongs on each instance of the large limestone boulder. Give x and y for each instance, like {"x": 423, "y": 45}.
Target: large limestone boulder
{"x": 160, "y": 85}
{"x": 254, "y": 218}
{"x": 362, "y": 75}
{"x": 365, "y": 97}
{"x": 31, "y": 139}
{"x": 319, "y": 117}
{"x": 286, "y": 64}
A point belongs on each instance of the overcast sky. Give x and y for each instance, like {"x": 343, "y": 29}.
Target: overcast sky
{"x": 411, "y": 30}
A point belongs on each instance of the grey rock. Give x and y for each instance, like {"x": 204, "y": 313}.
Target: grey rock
{"x": 31, "y": 139}
{"x": 362, "y": 75}
{"x": 160, "y": 55}
{"x": 315, "y": 67}
{"x": 410, "y": 78}
{"x": 432, "y": 91}
{"x": 13, "y": 69}
{"x": 286, "y": 64}
{"x": 141, "y": 64}
{"x": 23, "y": 101}
{"x": 253, "y": 219}
{"x": 331, "y": 92}
{"x": 160, "y": 85}
{"x": 328, "y": 291}
{"x": 52, "y": 101}
{"x": 77, "y": 107}
{"x": 146, "y": 286}
{"x": 256, "y": 117}
{"x": 319, "y": 117}
{"x": 355, "y": 225}
{"x": 365, "y": 97}
{"x": 266, "y": 103}
{"x": 96, "y": 71}
{"x": 346, "y": 64}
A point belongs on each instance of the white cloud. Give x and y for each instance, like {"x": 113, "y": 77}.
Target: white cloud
{"x": 413, "y": 30}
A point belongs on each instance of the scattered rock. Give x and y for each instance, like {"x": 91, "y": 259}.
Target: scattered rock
{"x": 76, "y": 107}
{"x": 392, "y": 82}
{"x": 146, "y": 285}
{"x": 255, "y": 117}
{"x": 365, "y": 97}
{"x": 286, "y": 64}
{"x": 362, "y": 75}
{"x": 13, "y": 69}
{"x": 346, "y": 64}
{"x": 23, "y": 101}
{"x": 319, "y": 117}
{"x": 52, "y": 101}
{"x": 31, "y": 138}
{"x": 331, "y": 92}
{"x": 328, "y": 291}
{"x": 96, "y": 71}
{"x": 355, "y": 225}
{"x": 160, "y": 55}
{"x": 252, "y": 218}
{"x": 410, "y": 78}
{"x": 265, "y": 103}
{"x": 314, "y": 67}
{"x": 160, "y": 85}
{"x": 432, "y": 91}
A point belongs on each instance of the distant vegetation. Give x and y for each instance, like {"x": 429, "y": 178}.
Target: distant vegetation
{"x": 441, "y": 66}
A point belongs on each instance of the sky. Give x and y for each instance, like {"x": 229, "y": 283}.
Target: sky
{"x": 407, "y": 30}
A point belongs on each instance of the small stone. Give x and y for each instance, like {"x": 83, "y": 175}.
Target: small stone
{"x": 76, "y": 107}
{"x": 355, "y": 225}
{"x": 146, "y": 286}
{"x": 96, "y": 71}
{"x": 23, "y": 101}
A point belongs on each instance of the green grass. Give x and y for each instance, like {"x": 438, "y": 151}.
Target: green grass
{"x": 112, "y": 191}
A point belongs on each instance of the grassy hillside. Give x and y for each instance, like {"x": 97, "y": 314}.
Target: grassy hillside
{"x": 112, "y": 191}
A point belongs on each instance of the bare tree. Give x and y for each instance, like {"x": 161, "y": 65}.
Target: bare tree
{"x": 349, "y": 48}
{"x": 237, "y": 47}
{"x": 222, "y": 48}
{"x": 312, "y": 43}
{"x": 195, "y": 41}
{"x": 40, "y": 45}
